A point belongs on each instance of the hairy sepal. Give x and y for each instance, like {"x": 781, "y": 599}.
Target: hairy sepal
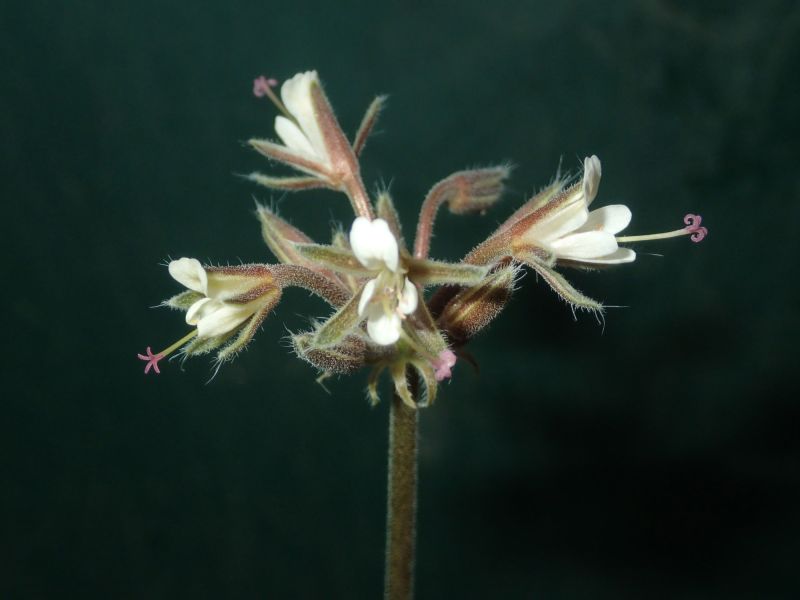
{"x": 288, "y": 157}
{"x": 530, "y": 253}
{"x": 564, "y": 289}
{"x": 246, "y": 333}
{"x": 287, "y": 184}
{"x": 472, "y": 309}
{"x": 535, "y": 203}
{"x": 428, "y": 377}
{"x": 367, "y": 124}
{"x": 384, "y": 209}
{"x": 340, "y": 324}
{"x": 281, "y": 237}
{"x": 433, "y": 272}
{"x": 183, "y": 300}
{"x": 344, "y": 358}
{"x": 398, "y": 370}
{"x": 333, "y": 258}
{"x": 426, "y": 332}
{"x": 340, "y": 240}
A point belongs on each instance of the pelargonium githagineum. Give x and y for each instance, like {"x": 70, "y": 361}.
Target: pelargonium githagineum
{"x": 386, "y": 311}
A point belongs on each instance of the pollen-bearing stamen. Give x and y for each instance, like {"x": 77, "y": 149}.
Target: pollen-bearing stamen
{"x": 693, "y": 229}
{"x": 153, "y": 359}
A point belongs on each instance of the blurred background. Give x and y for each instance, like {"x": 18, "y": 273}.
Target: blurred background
{"x": 657, "y": 456}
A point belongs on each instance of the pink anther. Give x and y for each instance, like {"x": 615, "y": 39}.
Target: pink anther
{"x": 152, "y": 361}
{"x": 261, "y": 86}
{"x": 693, "y": 227}
{"x": 442, "y": 366}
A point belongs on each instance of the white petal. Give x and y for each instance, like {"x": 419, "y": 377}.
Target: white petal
{"x": 621, "y": 255}
{"x": 589, "y": 244}
{"x": 189, "y": 273}
{"x": 409, "y": 298}
{"x": 560, "y": 223}
{"x": 294, "y": 139}
{"x": 383, "y": 327}
{"x": 611, "y": 219}
{"x": 296, "y": 96}
{"x": 373, "y": 244}
{"x": 366, "y": 296}
{"x": 591, "y": 178}
{"x": 192, "y": 314}
{"x": 213, "y": 317}
{"x": 361, "y": 242}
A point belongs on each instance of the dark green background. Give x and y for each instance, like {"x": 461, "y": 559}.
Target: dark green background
{"x": 657, "y": 457}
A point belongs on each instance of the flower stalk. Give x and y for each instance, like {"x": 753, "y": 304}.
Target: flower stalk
{"x": 401, "y": 503}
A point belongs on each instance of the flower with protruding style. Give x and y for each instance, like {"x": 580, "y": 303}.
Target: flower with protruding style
{"x": 300, "y": 130}
{"x": 225, "y": 297}
{"x": 567, "y": 229}
{"x": 313, "y": 141}
{"x": 226, "y": 306}
{"x": 390, "y": 295}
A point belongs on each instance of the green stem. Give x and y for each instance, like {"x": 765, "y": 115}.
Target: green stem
{"x": 401, "y": 506}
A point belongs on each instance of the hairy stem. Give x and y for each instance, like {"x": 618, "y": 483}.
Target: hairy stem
{"x": 303, "y": 277}
{"x": 401, "y": 506}
{"x": 427, "y": 216}
{"x": 354, "y": 188}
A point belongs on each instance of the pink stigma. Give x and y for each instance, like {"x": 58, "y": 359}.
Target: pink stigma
{"x": 443, "y": 364}
{"x": 261, "y": 86}
{"x": 152, "y": 361}
{"x": 698, "y": 232}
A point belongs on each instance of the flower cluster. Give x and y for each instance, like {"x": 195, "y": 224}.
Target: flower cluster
{"x": 385, "y": 313}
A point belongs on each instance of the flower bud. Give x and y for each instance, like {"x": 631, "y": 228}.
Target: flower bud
{"x": 345, "y": 357}
{"x": 474, "y": 308}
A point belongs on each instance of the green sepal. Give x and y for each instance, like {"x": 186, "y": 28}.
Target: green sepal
{"x": 367, "y": 123}
{"x": 288, "y": 157}
{"x": 333, "y": 258}
{"x": 289, "y": 184}
{"x": 280, "y": 236}
{"x": 428, "y": 377}
{"x": 343, "y": 358}
{"x": 372, "y": 384}
{"x": 563, "y": 288}
{"x": 384, "y": 209}
{"x": 434, "y": 272}
{"x": 424, "y": 330}
{"x": 200, "y": 346}
{"x": 183, "y": 300}
{"x": 530, "y": 253}
{"x": 246, "y": 332}
{"x": 341, "y": 323}
{"x": 398, "y": 371}
{"x": 340, "y": 240}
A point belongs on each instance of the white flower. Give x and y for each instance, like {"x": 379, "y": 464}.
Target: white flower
{"x": 217, "y": 313}
{"x": 390, "y": 296}
{"x": 574, "y": 234}
{"x": 302, "y": 136}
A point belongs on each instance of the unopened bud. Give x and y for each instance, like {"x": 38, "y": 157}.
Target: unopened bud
{"x": 474, "y": 308}
{"x": 346, "y": 357}
{"x": 475, "y": 191}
